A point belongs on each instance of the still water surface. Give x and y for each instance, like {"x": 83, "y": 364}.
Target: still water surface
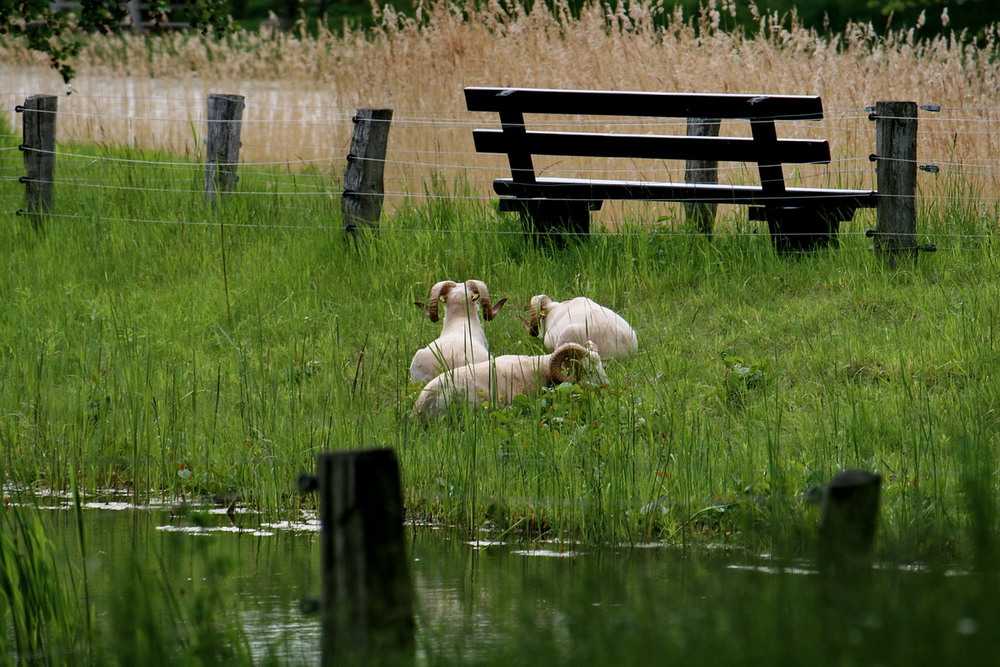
{"x": 488, "y": 602}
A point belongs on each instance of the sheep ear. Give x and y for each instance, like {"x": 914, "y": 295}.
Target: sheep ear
{"x": 420, "y": 304}
{"x": 498, "y": 306}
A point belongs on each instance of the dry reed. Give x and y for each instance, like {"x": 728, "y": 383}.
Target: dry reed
{"x": 301, "y": 90}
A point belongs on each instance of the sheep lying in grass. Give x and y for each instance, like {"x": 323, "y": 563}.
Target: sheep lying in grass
{"x": 462, "y": 340}
{"x": 579, "y": 320}
{"x": 500, "y": 379}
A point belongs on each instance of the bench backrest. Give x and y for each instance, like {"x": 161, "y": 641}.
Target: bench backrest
{"x": 763, "y": 147}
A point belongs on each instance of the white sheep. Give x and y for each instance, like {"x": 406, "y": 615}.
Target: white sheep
{"x": 462, "y": 340}
{"x": 500, "y": 379}
{"x": 579, "y": 320}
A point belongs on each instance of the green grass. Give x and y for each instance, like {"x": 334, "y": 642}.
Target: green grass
{"x": 215, "y": 354}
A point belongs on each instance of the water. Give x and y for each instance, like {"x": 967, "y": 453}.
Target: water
{"x": 483, "y": 601}
{"x": 162, "y": 557}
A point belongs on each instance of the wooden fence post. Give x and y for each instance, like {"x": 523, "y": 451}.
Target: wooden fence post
{"x": 366, "y": 602}
{"x": 39, "y": 146}
{"x": 896, "y": 161}
{"x": 134, "y": 14}
{"x": 700, "y": 216}
{"x": 222, "y": 143}
{"x": 364, "y": 190}
{"x": 849, "y": 514}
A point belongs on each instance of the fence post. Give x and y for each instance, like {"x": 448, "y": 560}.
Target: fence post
{"x": 849, "y": 514}
{"x": 134, "y": 14}
{"x": 222, "y": 143}
{"x": 361, "y": 203}
{"x": 39, "y": 146}
{"x": 366, "y": 601}
{"x": 700, "y": 216}
{"x": 896, "y": 162}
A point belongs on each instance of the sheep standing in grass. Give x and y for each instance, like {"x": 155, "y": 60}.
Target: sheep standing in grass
{"x": 462, "y": 340}
{"x": 579, "y": 320}
{"x": 502, "y": 378}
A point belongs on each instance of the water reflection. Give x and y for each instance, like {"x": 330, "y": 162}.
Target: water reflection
{"x": 484, "y": 601}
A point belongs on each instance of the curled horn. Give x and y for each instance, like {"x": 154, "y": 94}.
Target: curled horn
{"x": 539, "y": 309}
{"x": 563, "y": 353}
{"x": 438, "y": 294}
{"x": 479, "y": 291}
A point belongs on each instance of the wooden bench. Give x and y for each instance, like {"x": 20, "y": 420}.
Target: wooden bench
{"x": 798, "y": 218}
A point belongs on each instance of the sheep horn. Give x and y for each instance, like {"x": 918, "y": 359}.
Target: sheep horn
{"x": 479, "y": 290}
{"x": 496, "y": 307}
{"x": 539, "y": 306}
{"x": 563, "y": 353}
{"x": 438, "y": 293}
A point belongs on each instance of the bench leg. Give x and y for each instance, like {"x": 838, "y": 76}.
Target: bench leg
{"x": 556, "y": 221}
{"x": 802, "y": 230}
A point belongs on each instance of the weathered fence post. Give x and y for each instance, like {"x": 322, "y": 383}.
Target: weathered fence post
{"x": 134, "y": 14}
{"x": 39, "y": 148}
{"x": 700, "y": 216}
{"x": 222, "y": 143}
{"x": 366, "y": 602}
{"x": 361, "y": 203}
{"x": 849, "y": 514}
{"x": 896, "y": 162}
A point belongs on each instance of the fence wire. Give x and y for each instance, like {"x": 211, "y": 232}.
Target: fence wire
{"x": 290, "y": 152}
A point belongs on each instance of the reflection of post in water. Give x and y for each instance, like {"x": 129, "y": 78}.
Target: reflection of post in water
{"x": 849, "y": 513}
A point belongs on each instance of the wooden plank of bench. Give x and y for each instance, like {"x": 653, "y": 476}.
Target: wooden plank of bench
{"x": 655, "y": 147}
{"x": 594, "y": 190}
{"x": 635, "y": 103}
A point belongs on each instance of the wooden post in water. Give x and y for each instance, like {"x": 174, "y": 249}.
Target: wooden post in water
{"x": 39, "y": 148}
{"x": 700, "y": 216}
{"x": 366, "y": 602}
{"x": 896, "y": 160}
{"x": 222, "y": 143}
{"x": 849, "y": 514}
{"x": 361, "y": 203}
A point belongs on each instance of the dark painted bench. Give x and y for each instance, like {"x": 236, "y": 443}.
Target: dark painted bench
{"x": 798, "y": 218}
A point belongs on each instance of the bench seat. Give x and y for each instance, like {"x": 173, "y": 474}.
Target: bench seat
{"x": 596, "y": 191}
{"x": 798, "y": 218}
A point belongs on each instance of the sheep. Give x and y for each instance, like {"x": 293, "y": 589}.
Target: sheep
{"x": 462, "y": 340}
{"x": 502, "y": 378}
{"x": 579, "y": 320}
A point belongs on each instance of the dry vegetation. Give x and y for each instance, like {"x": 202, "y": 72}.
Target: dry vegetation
{"x": 301, "y": 90}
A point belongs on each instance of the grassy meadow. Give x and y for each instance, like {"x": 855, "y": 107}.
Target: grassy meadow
{"x": 155, "y": 343}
